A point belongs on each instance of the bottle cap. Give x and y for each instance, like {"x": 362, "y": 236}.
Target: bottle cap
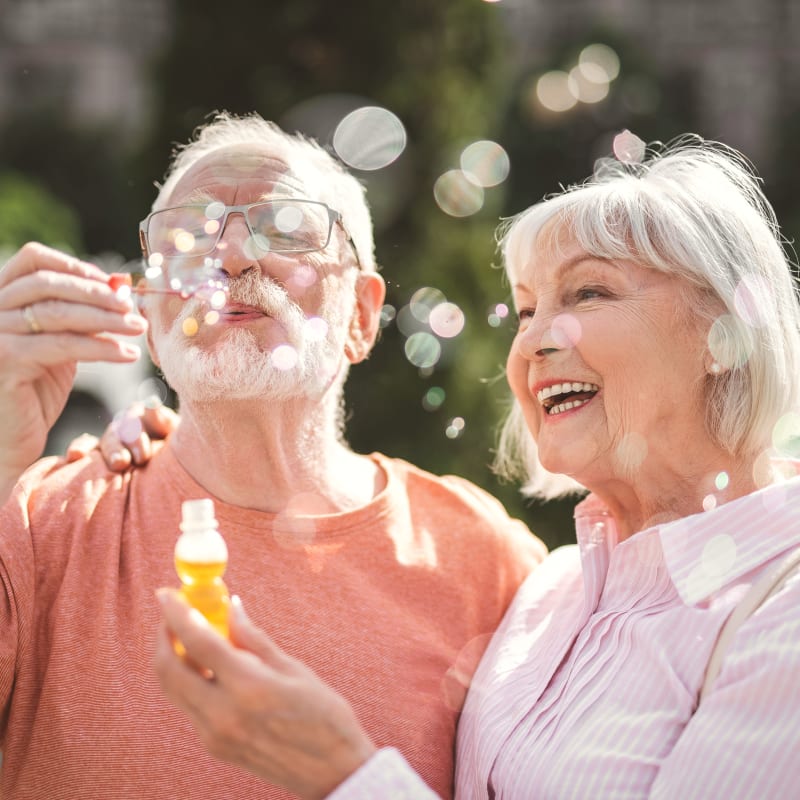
{"x": 197, "y": 514}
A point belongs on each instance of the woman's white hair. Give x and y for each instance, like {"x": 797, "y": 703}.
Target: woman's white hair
{"x": 696, "y": 209}
{"x": 344, "y": 191}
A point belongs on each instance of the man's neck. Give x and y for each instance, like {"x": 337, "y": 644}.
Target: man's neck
{"x": 274, "y": 456}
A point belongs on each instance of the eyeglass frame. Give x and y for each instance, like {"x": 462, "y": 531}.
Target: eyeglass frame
{"x": 334, "y": 217}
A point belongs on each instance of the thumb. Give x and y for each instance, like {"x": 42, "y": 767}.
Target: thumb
{"x": 246, "y": 636}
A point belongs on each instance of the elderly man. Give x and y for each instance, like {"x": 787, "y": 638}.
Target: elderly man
{"x": 384, "y": 579}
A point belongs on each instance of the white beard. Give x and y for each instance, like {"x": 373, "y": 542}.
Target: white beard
{"x": 238, "y": 367}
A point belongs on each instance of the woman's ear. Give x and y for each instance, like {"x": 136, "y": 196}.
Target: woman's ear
{"x": 365, "y": 322}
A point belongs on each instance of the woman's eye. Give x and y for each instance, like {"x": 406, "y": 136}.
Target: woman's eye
{"x": 589, "y": 293}
{"x": 525, "y": 314}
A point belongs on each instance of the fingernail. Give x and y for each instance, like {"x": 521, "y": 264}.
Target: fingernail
{"x": 135, "y": 321}
{"x": 238, "y": 608}
{"x": 136, "y": 452}
{"x": 162, "y": 594}
{"x": 130, "y": 349}
{"x": 198, "y": 618}
{"x": 116, "y": 459}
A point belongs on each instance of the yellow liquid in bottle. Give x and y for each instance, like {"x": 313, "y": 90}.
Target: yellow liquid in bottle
{"x": 204, "y": 589}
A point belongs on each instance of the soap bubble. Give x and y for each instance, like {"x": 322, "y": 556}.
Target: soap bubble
{"x": 485, "y": 163}
{"x": 423, "y": 349}
{"x": 433, "y": 398}
{"x": 455, "y": 428}
{"x": 457, "y": 195}
{"x": 423, "y": 301}
{"x": 369, "y": 138}
{"x": 284, "y": 357}
{"x": 446, "y": 320}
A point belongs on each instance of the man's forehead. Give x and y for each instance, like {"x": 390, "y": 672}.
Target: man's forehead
{"x": 251, "y": 164}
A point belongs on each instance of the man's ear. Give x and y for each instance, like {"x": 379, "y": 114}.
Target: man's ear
{"x": 365, "y": 322}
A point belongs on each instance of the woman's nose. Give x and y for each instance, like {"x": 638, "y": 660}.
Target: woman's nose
{"x": 546, "y": 336}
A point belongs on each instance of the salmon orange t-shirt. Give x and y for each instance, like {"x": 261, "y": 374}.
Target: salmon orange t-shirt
{"x": 391, "y": 604}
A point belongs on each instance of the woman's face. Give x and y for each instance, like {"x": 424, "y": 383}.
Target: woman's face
{"x": 608, "y": 364}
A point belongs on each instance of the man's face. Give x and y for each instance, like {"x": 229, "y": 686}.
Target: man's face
{"x": 283, "y": 331}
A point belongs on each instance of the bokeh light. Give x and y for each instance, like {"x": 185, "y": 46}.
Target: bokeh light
{"x": 599, "y": 62}
{"x": 128, "y": 429}
{"x": 566, "y": 331}
{"x": 629, "y": 148}
{"x": 388, "y": 313}
{"x": 554, "y": 92}
{"x": 316, "y": 329}
{"x": 212, "y": 317}
{"x": 786, "y": 435}
{"x": 455, "y": 428}
{"x": 369, "y": 138}
{"x": 497, "y": 314}
{"x": 153, "y": 392}
{"x": 446, "y": 320}
{"x": 721, "y": 481}
{"x": 189, "y": 326}
{"x": 730, "y": 342}
{"x": 433, "y": 398}
{"x": 587, "y": 90}
{"x": 750, "y": 301}
{"x": 424, "y": 300}
{"x": 423, "y": 349}
{"x": 457, "y": 195}
{"x": 284, "y": 357}
{"x": 485, "y": 163}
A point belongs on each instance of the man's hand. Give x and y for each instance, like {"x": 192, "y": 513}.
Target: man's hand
{"x": 262, "y": 710}
{"x": 128, "y": 439}
{"x": 54, "y": 312}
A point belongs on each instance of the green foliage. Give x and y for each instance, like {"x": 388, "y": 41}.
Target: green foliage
{"x": 29, "y": 212}
{"x": 82, "y": 168}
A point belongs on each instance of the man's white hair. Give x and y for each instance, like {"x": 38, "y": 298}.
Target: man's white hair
{"x": 344, "y": 192}
{"x": 695, "y": 209}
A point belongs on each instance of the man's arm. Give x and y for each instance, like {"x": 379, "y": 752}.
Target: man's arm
{"x": 54, "y": 312}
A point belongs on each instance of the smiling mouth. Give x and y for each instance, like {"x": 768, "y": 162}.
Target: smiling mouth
{"x": 561, "y": 397}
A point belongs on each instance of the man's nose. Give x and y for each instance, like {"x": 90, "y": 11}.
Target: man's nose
{"x": 235, "y": 248}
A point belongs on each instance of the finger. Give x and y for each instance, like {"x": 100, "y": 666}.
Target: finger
{"x": 81, "y": 446}
{"x": 45, "y": 284}
{"x": 35, "y": 256}
{"x": 245, "y": 635}
{"x": 44, "y": 349}
{"x": 114, "y": 452}
{"x": 56, "y": 316}
{"x": 182, "y": 683}
{"x": 159, "y": 420}
{"x": 203, "y": 645}
{"x": 132, "y": 436}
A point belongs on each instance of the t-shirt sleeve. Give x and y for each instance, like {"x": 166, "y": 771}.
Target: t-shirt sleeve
{"x": 16, "y": 587}
{"x": 386, "y": 774}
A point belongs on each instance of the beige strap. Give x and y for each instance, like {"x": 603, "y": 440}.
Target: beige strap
{"x": 756, "y": 595}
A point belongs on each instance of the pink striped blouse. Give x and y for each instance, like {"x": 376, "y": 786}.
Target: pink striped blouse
{"x": 590, "y": 686}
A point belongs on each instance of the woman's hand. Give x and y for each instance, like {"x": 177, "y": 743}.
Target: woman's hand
{"x": 129, "y": 438}
{"x": 55, "y": 311}
{"x": 262, "y": 710}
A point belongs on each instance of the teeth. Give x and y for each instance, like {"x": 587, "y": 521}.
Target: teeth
{"x": 562, "y": 407}
{"x": 564, "y": 388}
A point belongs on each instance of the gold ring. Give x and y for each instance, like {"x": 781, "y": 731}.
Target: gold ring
{"x": 30, "y": 319}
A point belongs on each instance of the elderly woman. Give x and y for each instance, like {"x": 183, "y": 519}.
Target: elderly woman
{"x": 656, "y": 364}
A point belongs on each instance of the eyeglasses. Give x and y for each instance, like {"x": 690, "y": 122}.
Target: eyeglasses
{"x": 278, "y": 226}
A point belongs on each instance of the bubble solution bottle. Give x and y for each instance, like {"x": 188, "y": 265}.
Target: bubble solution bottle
{"x": 201, "y": 557}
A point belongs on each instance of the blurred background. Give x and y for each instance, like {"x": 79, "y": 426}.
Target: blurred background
{"x": 454, "y": 113}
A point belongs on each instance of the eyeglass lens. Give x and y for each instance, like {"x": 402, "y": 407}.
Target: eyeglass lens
{"x": 280, "y": 225}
